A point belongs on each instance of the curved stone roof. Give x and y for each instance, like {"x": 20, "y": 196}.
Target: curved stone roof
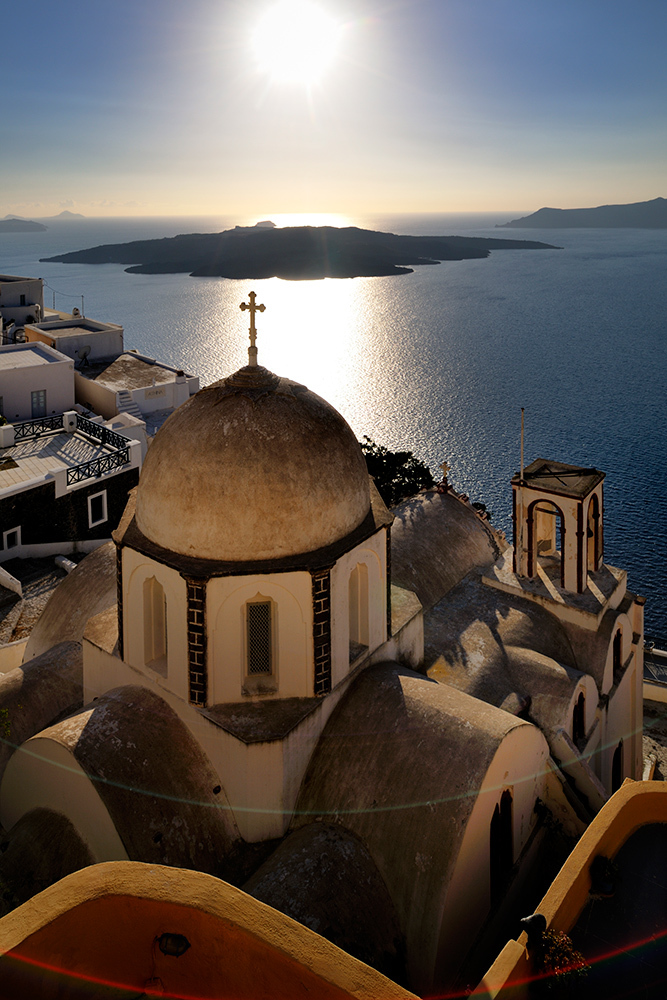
{"x": 475, "y": 622}
{"x": 594, "y": 646}
{"x": 38, "y": 693}
{"x": 436, "y": 540}
{"x": 254, "y": 467}
{"x": 400, "y": 764}
{"x": 324, "y": 877}
{"x": 40, "y": 849}
{"x": 507, "y": 651}
{"x": 157, "y": 785}
{"x": 87, "y": 590}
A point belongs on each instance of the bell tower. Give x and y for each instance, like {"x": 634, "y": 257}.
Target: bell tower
{"x": 557, "y": 513}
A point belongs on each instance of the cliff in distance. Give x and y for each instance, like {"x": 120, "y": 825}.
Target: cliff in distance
{"x": 298, "y": 252}
{"x": 639, "y": 215}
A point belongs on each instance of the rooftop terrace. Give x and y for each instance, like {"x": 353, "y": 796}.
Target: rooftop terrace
{"x": 44, "y": 449}
{"x": 28, "y": 356}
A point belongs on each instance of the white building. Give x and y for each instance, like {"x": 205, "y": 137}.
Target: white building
{"x": 35, "y": 381}
{"x": 21, "y": 299}
{"x": 83, "y": 340}
{"x": 135, "y": 384}
{"x": 64, "y": 482}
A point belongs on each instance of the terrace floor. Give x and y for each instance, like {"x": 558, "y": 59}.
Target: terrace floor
{"x": 36, "y": 457}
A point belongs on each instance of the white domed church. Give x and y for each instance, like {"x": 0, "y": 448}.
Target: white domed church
{"x": 256, "y": 698}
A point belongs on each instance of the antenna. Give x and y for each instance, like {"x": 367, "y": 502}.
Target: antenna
{"x": 522, "y": 444}
{"x": 83, "y": 353}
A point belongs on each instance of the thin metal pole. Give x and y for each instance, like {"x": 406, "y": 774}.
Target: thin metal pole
{"x": 522, "y": 444}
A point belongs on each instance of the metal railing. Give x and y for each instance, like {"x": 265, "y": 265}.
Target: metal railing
{"x": 103, "y": 434}
{"x": 41, "y": 425}
{"x": 98, "y": 466}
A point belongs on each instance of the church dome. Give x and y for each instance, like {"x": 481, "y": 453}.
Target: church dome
{"x": 254, "y": 467}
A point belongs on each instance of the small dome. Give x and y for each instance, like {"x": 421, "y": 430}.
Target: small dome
{"x": 253, "y": 467}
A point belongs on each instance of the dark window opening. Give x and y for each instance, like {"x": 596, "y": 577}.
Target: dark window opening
{"x": 98, "y": 512}
{"x": 618, "y": 650}
{"x": 617, "y": 768}
{"x": 579, "y": 720}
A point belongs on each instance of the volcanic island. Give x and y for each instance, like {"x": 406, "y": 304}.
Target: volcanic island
{"x": 294, "y": 253}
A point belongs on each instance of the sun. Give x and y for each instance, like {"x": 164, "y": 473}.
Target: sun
{"x": 296, "y": 41}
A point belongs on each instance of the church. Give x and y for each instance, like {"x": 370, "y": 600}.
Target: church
{"x": 380, "y": 723}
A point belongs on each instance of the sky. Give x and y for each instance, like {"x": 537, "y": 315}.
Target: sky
{"x": 173, "y": 107}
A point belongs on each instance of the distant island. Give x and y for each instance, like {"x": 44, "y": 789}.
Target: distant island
{"x": 298, "y": 252}
{"x": 640, "y": 215}
{"x": 64, "y": 216}
{"x": 12, "y": 225}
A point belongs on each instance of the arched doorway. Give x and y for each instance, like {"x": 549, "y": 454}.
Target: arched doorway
{"x": 501, "y": 847}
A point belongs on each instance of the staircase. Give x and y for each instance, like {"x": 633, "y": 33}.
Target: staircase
{"x": 126, "y": 404}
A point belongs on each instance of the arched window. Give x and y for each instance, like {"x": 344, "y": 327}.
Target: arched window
{"x": 579, "y": 720}
{"x": 593, "y": 534}
{"x": 501, "y": 847}
{"x": 358, "y": 610}
{"x": 259, "y": 638}
{"x": 155, "y": 626}
{"x": 618, "y": 650}
{"x": 617, "y": 768}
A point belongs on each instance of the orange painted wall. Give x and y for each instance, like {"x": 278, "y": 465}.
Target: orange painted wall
{"x": 251, "y": 953}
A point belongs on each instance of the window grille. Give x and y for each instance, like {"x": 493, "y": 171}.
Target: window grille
{"x": 258, "y": 625}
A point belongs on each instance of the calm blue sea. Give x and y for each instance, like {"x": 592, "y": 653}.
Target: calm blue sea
{"x": 439, "y": 361}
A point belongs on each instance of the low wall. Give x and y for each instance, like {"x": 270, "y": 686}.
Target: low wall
{"x": 654, "y": 691}
{"x": 635, "y": 804}
{"x": 165, "y": 931}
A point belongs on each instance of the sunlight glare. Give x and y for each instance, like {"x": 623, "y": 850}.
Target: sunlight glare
{"x": 296, "y": 41}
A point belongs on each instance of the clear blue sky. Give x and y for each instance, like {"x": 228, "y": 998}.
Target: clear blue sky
{"x": 162, "y": 107}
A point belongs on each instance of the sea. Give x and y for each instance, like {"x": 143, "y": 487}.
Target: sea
{"x": 439, "y": 361}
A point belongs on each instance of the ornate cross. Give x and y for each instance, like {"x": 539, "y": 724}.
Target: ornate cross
{"x": 446, "y": 467}
{"x": 253, "y": 308}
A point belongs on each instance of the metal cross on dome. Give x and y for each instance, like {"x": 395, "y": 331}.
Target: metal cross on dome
{"x": 253, "y": 308}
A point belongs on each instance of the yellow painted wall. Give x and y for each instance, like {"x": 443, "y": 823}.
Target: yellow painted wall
{"x": 633, "y": 806}
{"x": 103, "y": 925}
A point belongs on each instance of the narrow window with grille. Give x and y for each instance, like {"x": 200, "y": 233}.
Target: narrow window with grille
{"x": 258, "y": 635}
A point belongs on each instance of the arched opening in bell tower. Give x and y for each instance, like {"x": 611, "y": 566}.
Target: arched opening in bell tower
{"x": 546, "y": 539}
{"x": 593, "y": 535}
